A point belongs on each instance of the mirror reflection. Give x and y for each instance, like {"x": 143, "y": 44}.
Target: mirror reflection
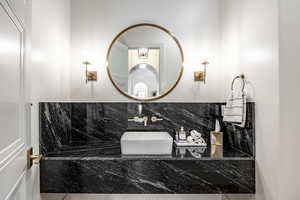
{"x": 145, "y": 62}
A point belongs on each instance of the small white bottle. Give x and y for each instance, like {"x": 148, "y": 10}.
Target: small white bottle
{"x": 182, "y": 134}
{"x": 177, "y": 137}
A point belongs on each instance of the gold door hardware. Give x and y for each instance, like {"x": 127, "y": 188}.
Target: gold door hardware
{"x": 32, "y": 159}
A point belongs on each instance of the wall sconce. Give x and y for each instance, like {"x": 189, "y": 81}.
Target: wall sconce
{"x": 89, "y": 75}
{"x": 201, "y": 75}
{"x": 143, "y": 53}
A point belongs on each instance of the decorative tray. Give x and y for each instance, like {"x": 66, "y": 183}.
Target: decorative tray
{"x": 189, "y": 144}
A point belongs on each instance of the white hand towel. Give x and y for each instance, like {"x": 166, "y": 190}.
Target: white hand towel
{"x": 235, "y": 109}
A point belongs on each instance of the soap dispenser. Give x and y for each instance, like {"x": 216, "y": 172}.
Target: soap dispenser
{"x": 182, "y": 134}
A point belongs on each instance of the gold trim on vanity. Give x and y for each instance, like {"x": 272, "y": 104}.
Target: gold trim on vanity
{"x": 117, "y": 37}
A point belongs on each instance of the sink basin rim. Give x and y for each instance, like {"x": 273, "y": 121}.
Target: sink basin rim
{"x": 146, "y": 143}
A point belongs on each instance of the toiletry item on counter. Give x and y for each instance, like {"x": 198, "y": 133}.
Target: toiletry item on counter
{"x": 216, "y": 141}
{"x": 216, "y": 138}
{"x": 195, "y": 139}
{"x": 216, "y": 151}
{"x": 177, "y": 137}
{"x": 195, "y": 134}
{"x": 182, "y": 134}
{"x": 213, "y": 139}
{"x": 217, "y": 126}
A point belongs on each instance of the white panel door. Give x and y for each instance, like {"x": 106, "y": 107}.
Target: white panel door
{"x": 12, "y": 107}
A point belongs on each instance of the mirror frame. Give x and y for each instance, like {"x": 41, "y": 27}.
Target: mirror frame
{"x": 151, "y": 98}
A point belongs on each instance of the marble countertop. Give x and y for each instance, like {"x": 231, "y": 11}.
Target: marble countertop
{"x": 112, "y": 151}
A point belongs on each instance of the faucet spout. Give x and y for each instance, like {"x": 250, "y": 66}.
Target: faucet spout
{"x": 140, "y": 120}
{"x": 145, "y": 119}
{"x": 140, "y": 109}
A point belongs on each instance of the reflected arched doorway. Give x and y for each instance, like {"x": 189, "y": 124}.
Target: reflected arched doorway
{"x": 143, "y": 81}
{"x": 140, "y": 90}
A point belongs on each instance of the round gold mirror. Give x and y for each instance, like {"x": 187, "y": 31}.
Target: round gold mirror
{"x": 145, "y": 62}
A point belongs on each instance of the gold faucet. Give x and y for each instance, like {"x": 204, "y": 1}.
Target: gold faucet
{"x": 140, "y": 120}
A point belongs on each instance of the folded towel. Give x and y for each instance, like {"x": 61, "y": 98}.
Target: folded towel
{"x": 235, "y": 109}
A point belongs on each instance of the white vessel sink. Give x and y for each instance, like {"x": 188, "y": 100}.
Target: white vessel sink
{"x": 146, "y": 143}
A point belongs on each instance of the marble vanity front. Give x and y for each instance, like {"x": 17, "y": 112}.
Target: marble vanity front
{"x": 81, "y": 145}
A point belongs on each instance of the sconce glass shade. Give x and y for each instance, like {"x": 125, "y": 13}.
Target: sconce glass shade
{"x": 205, "y": 63}
{"x": 86, "y": 63}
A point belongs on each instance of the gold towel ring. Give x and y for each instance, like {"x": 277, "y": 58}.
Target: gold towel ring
{"x": 242, "y": 76}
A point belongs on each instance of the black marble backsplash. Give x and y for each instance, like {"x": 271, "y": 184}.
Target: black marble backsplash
{"x": 86, "y": 126}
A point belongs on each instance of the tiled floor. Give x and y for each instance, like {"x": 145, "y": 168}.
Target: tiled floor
{"x": 143, "y": 197}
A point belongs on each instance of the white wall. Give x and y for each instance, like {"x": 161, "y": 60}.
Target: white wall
{"x": 50, "y": 49}
{"x": 50, "y": 55}
{"x": 250, "y": 46}
{"x": 94, "y": 24}
{"x": 289, "y": 26}
{"x": 48, "y": 71}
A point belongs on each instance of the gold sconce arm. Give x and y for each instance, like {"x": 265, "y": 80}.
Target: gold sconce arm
{"x": 86, "y": 63}
{"x": 89, "y": 75}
